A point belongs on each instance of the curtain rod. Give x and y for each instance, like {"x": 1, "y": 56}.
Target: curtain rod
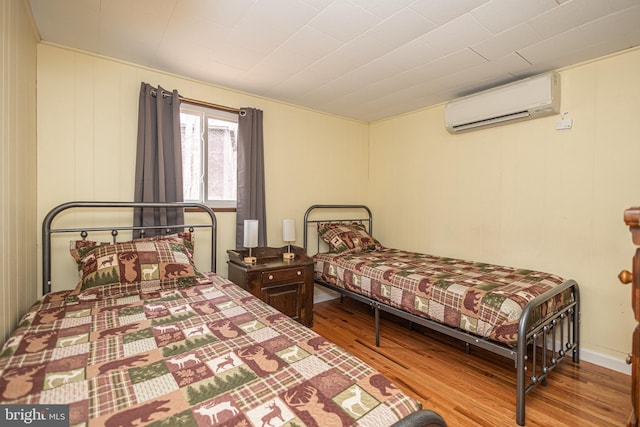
{"x": 214, "y": 106}
{"x": 203, "y": 103}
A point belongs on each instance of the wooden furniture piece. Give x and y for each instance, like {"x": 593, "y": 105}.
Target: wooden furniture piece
{"x": 284, "y": 284}
{"x": 632, "y": 219}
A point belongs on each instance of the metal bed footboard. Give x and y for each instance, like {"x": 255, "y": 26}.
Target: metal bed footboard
{"x": 549, "y": 342}
{"x": 538, "y": 349}
{"x": 422, "y": 418}
{"x": 47, "y": 229}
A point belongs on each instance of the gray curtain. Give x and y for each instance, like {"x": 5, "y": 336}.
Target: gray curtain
{"x": 159, "y": 157}
{"x": 251, "y": 197}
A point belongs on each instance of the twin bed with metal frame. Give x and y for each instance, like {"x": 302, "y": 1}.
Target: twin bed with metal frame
{"x": 146, "y": 338}
{"x": 529, "y": 317}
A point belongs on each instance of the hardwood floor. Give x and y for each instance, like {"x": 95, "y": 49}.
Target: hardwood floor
{"x": 476, "y": 389}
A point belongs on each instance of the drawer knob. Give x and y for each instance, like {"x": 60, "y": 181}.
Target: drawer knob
{"x": 299, "y": 273}
{"x": 625, "y": 277}
{"x": 271, "y": 277}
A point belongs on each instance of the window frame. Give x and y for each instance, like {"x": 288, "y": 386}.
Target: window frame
{"x": 207, "y": 113}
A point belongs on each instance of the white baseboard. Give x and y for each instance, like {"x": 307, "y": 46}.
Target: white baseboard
{"x": 618, "y": 365}
{"x": 324, "y": 294}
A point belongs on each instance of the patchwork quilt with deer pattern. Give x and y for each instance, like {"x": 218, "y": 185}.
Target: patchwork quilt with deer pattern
{"x": 484, "y": 299}
{"x": 209, "y": 354}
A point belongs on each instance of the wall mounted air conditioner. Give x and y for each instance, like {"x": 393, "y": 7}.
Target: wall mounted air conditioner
{"x": 536, "y": 96}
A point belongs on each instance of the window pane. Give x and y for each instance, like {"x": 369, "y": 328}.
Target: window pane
{"x": 209, "y": 155}
{"x": 191, "y": 133}
{"x": 222, "y": 160}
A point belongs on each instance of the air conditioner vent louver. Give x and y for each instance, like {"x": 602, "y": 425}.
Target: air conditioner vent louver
{"x": 530, "y": 98}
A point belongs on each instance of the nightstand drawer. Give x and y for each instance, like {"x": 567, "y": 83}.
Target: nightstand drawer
{"x": 282, "y": 276}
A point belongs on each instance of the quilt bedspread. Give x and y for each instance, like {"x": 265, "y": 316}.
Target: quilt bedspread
{"x": 484, "y": 299}
{"x": 202, "y": 355}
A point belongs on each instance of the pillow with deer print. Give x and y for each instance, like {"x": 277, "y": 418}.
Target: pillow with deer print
{"x": 347, "y": 238}
{"x": 78, "y": 248}
{"x": 142, "y": 265}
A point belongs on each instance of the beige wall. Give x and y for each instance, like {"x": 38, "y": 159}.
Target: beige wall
{"x": 87, "y": 127}
{"x": 18, "y": 226}
{"x": 525, "y": 194}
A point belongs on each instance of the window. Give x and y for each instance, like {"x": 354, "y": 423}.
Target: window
{"x": 209, "y": 155}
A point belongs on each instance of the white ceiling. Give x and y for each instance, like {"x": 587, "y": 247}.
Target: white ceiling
{"x": 363, "y": 59}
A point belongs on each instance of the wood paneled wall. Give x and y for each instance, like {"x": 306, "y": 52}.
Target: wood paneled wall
{"x": 18, "y": 228}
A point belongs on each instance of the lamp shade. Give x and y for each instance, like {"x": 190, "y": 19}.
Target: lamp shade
{"x": 289, "y": 230}
{"x": 250, "y": 233}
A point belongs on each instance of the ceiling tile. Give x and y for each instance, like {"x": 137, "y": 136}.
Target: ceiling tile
{"x": 612, "y": 30}
{"x": 485, "y": 75}
{"x": 370, "y": 73}
{"x": 508, "y": 41}
{"x": 500, "y": 15}
{"x": 569, "y": 15}
{"x": 311, "y": 43}
{"x": 390, "y": 34}
{"x": 285, "y": 61}
{"x": 201, "y": 31}
{"x": 465, "y": 58}
{"x": 383, "y": 8}
{"x": 622, "y": 4}
{"x": 415, "y": 53}
{"x": 116, "y": 29}
{"x": 457, "y": 34}
{"x": 71, "y": 23}
{"x": 316, "y": 4}
{"x": 339, "y": 62}
{"x": 297, "y": 86}
{"x": 266, "y": 16}
{"x": 344, "y": 21}
{"x": 441, "y": 12}
{"x": 234, "y": 56}
{"x": 623, "y": 24}
{"x": 219, "y": 14}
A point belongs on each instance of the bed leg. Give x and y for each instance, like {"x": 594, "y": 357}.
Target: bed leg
{"x": 467, "y": 348}
{"x": 576, "y": 327}
{"x": 520, "y": 384}
{"x": 377, "y": 317}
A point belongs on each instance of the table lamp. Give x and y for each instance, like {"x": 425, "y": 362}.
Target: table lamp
{"x": 250, "y": 238}
{"x": 288, "y": 235}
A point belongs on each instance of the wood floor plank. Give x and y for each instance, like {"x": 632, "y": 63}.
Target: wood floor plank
{"x": 476, "y": 389}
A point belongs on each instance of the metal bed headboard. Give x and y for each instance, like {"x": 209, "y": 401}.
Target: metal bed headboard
{"x": 368, "y": 219}
{"x": 47, "y": 229}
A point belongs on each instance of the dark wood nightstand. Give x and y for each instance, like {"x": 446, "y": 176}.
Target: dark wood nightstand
{"x": 284, "y": 284}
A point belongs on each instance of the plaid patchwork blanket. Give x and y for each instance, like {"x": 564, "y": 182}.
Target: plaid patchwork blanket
{"x": 484, "y": 299}
{"x": 210, "y": 354}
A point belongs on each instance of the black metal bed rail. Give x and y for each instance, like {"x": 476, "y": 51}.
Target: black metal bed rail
{"x": 567, "y": 318}
{"x": 47, "y": 229}
{"x": 422, "y": 418}
{"x": 368, "y": 219}
{"x": 547, "y": 350}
